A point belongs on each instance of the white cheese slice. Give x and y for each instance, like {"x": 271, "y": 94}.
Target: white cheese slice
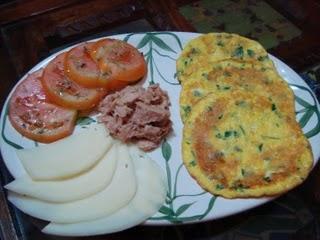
{"x": 117, "y": 194}
{"x": 150, "y": 196}
{"x": 67, "y": 157}
{"x": 71, "y": 189}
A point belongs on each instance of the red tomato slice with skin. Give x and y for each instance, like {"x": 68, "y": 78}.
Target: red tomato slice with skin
{"x": 34, "y": 117}
{"x": 118, "y": 60}
{"x": 80, "y": 67}
{"x": 65, "y": 92}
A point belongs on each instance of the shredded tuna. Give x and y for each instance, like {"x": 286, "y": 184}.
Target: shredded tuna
{"x": 137, "y": 115}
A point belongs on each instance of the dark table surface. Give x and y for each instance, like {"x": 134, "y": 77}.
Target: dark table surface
{"x": 32, "y": 30}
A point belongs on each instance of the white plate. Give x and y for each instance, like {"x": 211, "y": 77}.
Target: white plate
{"x": 189, "y": 203}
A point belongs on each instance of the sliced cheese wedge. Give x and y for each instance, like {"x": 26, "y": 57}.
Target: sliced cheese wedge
{"x": 71, "y": 189}
{"x": 149, "y": 197}
{"x": 67, "y": 157}
{"x": 117, "y": 194}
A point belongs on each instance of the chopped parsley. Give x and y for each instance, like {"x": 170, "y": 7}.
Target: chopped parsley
{"x": 250, "y": 52}
{"x": 220, "y": 43}
{"x": 227, "y": 74}
{"x": 241, "y": 103}
{"x": 242, "y": 130}
{"x": 186, "y": 109}
{"x": 228, "y": 134}
{"x": 41, "y": 131}
{"x": 273, "y": 107}
{"x": 239, "y": 187}
{"x": 196, "y": 93}
{"x": 218, "y": 154}
{"x": 205, "y": 75}
{"x": 219, "y": 136}
{"x": 262, "y": 58}
{"x": 209, "y": 108}
{"x": 219, "y": 187}
{"x": 237, "y": 149}
{"x": 267, "y": 179}
{"x": 219, "y": 87}
{"x": 192, "y": 163}
{"x": 238, "y": 52}
{"x": 194, "y": 51}
{"x": 193, "y": 154}
{"x": 188, "y": 61}
{"x": 269, "y": 137}
{"x": 260, "y": 147}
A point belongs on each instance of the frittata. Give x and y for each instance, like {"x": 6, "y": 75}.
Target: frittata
{"x": 240, "y": 137}
{"x": 240, "y": 146}
{"x": 223, "y": 77}
{"x": 214, "y": 47}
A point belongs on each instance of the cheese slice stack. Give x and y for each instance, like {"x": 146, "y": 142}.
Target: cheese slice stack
{"x": 119, "y": 189}
{"x": 150, "y": 195}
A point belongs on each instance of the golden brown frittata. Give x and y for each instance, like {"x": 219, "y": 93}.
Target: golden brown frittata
{"x": 214, "y": 47}
{"x": 223, "y": 77}
{"x": 238, "y": 145}
{"x": 240, "y": 137}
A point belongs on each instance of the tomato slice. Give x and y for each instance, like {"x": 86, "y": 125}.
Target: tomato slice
{"x": 80, "y": 67}
{"x": 118, "y": 60}
{"x": 65, "y": 92}
{"x": 34, "y": 117}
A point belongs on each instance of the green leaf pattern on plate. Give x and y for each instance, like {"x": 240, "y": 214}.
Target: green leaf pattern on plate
{"x": 307, "y": 112}
{"x": 166, "y": 150}
{"x": 3, "y": 127}
{"x": 169, "y": 211}
{"x": 83, "y": 121}
{"x": 153, "y": 43}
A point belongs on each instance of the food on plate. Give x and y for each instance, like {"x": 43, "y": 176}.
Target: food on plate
{"x": 88, "y": 179}
{"x": 70, "y": 189}
{"x": 214, "y": 47}
{"x": 67, "y": 157}
{"x": 150, "y": 195}
{"x": 34, "y": 117}
{"x": 80, "y": 67}
{"x": 223, "y": 77}
{"x": 115, "y": 196}
{"x": 118, "y": 61}
{"x": 134, "y": 190}
{"x": 137, "y": 115}
{"x": 238, "y": 145}
{"x": 240, "y": 135}
{"x": 74, "y": 80}
{"x": 65, "y": 92}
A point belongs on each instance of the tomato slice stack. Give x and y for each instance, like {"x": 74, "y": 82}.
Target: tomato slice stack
{"x": 44, "y": 106}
